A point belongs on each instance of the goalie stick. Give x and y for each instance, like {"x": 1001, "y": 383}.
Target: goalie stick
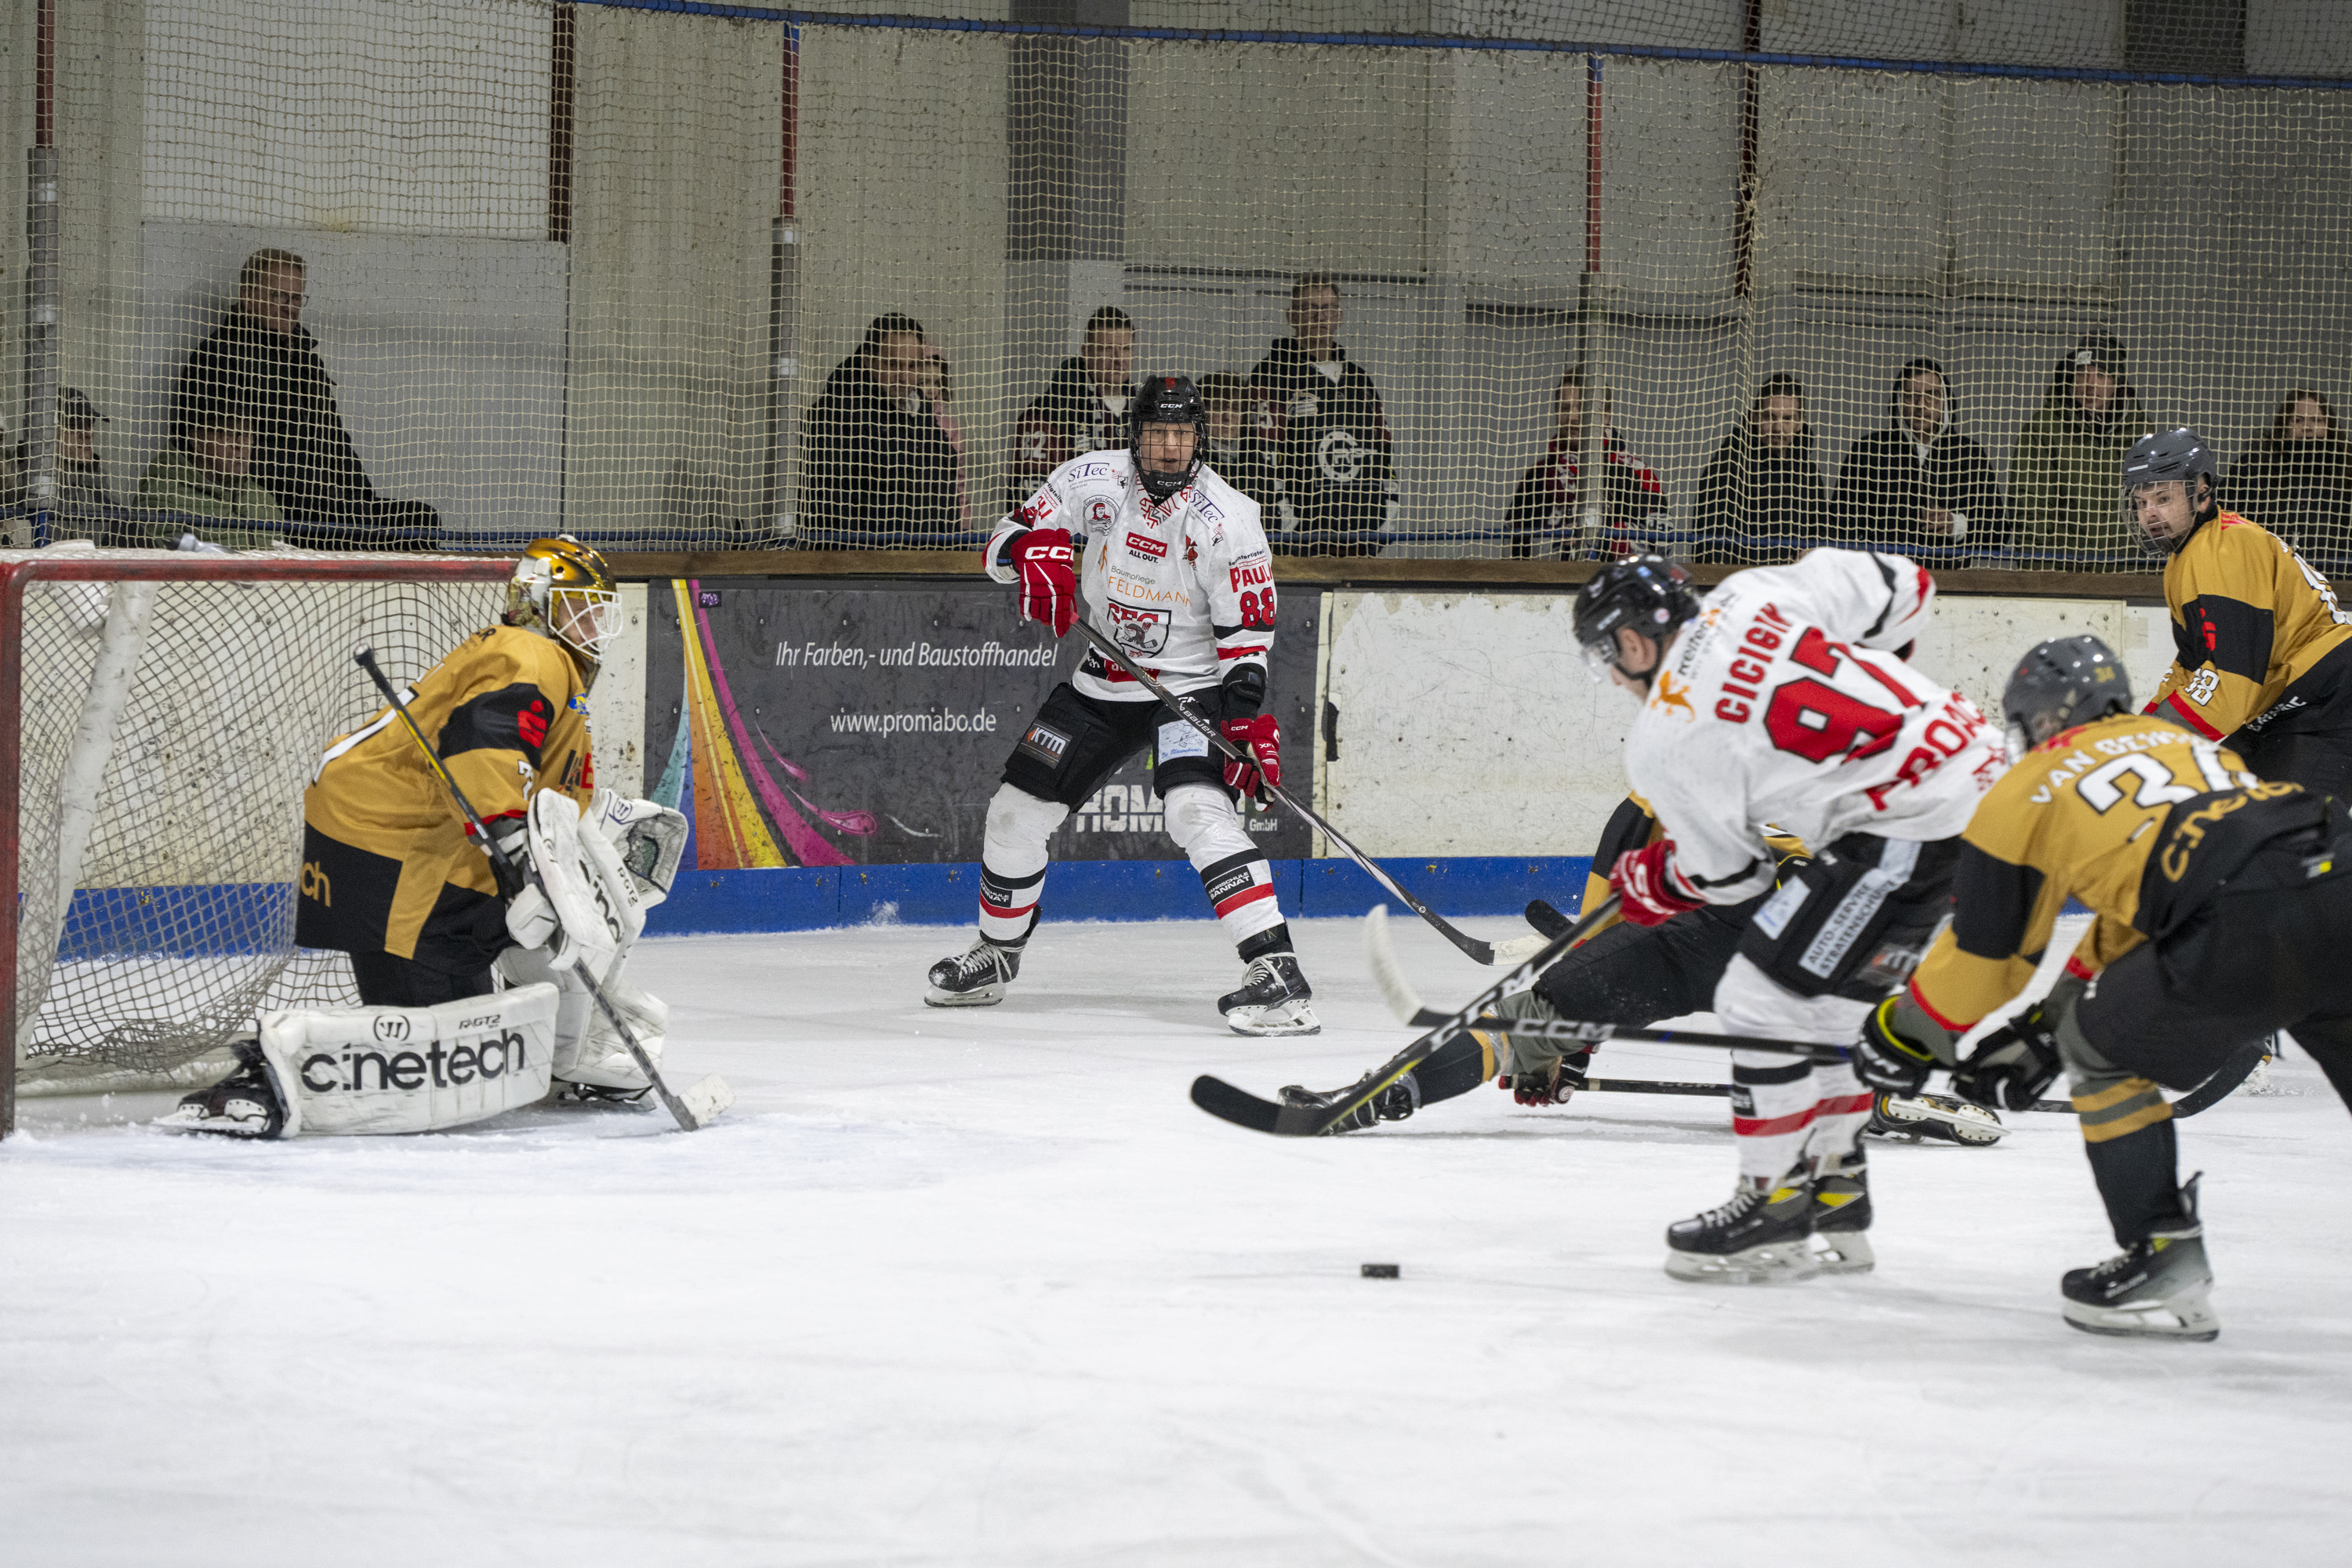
{"x": 702, "y": 1101}
{"x": 1482, "y": 952}
{"x": 1242, "y": 1109}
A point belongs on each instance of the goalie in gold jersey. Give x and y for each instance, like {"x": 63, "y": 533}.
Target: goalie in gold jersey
{"x": 2220, "y": 904}
{"x": 2263, "y": 653}
{"x": 393, "y": 875}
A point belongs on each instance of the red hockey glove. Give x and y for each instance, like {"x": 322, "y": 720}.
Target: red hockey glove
{"x": 1649, "y": 891}
{"x": 1260, "y": 740}
{"x": 1049, "y": 578}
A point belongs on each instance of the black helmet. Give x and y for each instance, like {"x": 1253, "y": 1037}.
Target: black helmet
{"x": 1167, "y": 400}
{"x": 2179, "y": 453}
{"x": 2062, "y": 683}
{"x": 1648, "y": 593}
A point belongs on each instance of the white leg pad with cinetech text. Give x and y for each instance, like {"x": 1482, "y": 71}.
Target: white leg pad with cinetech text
{"x": 412, "y": 1069}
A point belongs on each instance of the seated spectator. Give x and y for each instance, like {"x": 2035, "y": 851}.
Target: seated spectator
{"x": 931, "y": 380}
{"x": 2062, "y": 478}
{"x": 1321, "y": 418}
{"x": 1083, "y": 408}
{"x": 1550, "y": 494}
{"x": 206, "y": 471}
{"x": 1920, "y": 481}
{"x": 1762, "y": 491}
{"x": 81, "y": 507}
{"x": 2297, "y": 480}
{"x": 1235, "y": 450}
{"x": 878, "y": 469}
{"x": 262, "y": 359}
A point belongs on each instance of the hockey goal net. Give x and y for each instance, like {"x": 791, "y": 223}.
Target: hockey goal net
{"x": 160, "y": 715}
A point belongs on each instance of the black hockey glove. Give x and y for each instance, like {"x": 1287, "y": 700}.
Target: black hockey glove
{"x": 1883, "y": 1058}
{"x": 2011, "y": 1066}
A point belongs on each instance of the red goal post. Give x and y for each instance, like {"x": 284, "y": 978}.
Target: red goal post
{"x": 159, "y": 715}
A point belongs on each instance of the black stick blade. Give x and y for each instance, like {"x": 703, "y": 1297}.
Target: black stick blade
{"x": 1226, "y": 1103}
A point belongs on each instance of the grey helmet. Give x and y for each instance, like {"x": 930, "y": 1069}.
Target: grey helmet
{"x": 2179, "y": 453}
{"x": 2059, "y": 684}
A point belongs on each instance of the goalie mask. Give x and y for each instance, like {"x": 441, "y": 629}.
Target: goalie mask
{"x": 562, "y": 589}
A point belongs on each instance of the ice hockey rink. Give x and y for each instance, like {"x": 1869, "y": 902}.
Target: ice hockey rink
{"x": 984, "y": 1288}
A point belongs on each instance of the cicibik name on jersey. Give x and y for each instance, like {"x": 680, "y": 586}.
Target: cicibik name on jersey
{"x": 491, "y": 1056}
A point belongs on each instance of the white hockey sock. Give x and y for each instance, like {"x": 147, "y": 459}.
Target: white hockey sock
{"x": 1233, "y": 873}
{"x": 1012, "y": 860}
{"x": 1773, "y": 1103}
{"x": 1839, "y": 1114}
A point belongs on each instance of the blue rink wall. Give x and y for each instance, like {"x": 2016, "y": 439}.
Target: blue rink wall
{"x": 803, "y": 899}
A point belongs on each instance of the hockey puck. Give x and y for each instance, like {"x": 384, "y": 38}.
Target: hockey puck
{"x": 1379, "y": 1271}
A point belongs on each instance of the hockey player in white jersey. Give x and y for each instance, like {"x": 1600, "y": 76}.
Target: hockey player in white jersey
{"x": 1777, "y": 700}
{"x": 1173, "y": 568}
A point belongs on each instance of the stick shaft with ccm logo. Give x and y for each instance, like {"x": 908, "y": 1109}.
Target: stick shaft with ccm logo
{"x": 1480, "y": 951}
{"x": 700, "y": 1103}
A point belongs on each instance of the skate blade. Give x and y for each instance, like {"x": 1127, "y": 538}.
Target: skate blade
{"x": 986, "y": 997}
{"x": 1780, "y": 1263}
{"x": 1844, "y": 1252}
{"x": 1310, "y": 1024}
{"x": 191, "y": 1118}
{"x": 2193, "y": 1322}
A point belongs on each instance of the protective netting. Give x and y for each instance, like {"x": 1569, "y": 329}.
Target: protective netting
{"x": 167, "y": 731}
{"x": 674, "y": 280}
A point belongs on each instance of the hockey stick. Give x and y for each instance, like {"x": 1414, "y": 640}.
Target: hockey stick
{"x": 1482, "y": 953}
{"x": 1223, "y": 1100}
{"x": 703, "y": 1101}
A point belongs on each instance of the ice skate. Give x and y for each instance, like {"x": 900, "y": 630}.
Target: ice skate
{"x": 1922, "y": 1118}
{"x": 2154, "y": 1289}
{"x": 975, "y": 977}
{"x": 1274, "y": 999}
{"x": 1841, "y": 1243}
{"x": 243, "y": 1105}
{"x": 1759, "y": 1238}
{"x": 1394, "y": 1103}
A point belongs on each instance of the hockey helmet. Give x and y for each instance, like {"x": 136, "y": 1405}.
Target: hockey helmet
{"x": 1167, "y": 400}
{"x": 2179, "y": 453}
{"x": 2059, "y": 684}
{"x": 1649, "y": 593}
{"x": 562, "y": 589}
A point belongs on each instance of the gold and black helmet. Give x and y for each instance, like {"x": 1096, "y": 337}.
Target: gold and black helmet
{"x": 562, "y": 589}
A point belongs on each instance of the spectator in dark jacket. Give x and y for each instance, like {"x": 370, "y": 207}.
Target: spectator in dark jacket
{"x": 1083, "y": 409}
{"x": 1920, "y": 482}
{"x": 1551, "y": 495}
{"x": 1234, "y": 451}
{"x": 81, "y": 483}
{"x": 878, "y": 469}
{"x": 1761, "y": 486}
{"x": 1320, "y": 418}
{"x": 261, "y": 358}
{"x": 2296, "y": 480}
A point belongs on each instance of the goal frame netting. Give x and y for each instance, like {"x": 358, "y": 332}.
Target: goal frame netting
{"x": 104, "y": 571}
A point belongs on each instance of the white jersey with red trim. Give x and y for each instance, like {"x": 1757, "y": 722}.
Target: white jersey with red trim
{"x": 1185, "y": 588}
{"x": 1777, "y": 704}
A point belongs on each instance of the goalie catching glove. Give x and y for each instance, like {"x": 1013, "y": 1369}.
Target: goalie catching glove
{"x": 1649, "y": 889}
{"x": 1259, "y": 739}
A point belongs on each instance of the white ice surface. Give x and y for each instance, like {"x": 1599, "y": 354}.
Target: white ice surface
{"x": 984, "y": 1288}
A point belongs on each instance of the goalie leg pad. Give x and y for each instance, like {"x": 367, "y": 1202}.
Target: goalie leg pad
{"x": 411, "y": 1069}
{"x": 588, "y": 1050}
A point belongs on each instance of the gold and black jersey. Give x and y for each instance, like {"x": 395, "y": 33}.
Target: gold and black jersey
{"x": 1631, "y": 826}
{"x": 388, "y": 864}
{"x": 2259, "y": 641}
{"x": 2134, "y": 815}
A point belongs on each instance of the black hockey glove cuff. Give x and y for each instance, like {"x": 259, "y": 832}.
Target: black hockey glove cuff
{"x": 2011, "y": 1066}
{"x": 1885, "y": 1057}
{"x": 1244, "y": 691}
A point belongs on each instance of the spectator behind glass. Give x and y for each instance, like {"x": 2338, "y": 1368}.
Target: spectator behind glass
{"x": 878, "y": 469}
{"x": 931, "y": 380}
{"x": 1234, "y": 451}
{"x": 1320, "y": 418}
{"x": 206, "y": 471}
{"x": 1550, "y": 494}
{"x": 81, "y": 486}
{"x": 2062, "y": 476}
{"x": 260, "y": 358}
{"x": 2297, "y": 480}
{"x": 1762, "y": 484}
{"x": 1920, "y": 481}
{"x": 1083, "y": 409}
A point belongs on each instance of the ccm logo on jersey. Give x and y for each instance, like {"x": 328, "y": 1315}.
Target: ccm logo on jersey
{"x": 1144, "y": 544}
